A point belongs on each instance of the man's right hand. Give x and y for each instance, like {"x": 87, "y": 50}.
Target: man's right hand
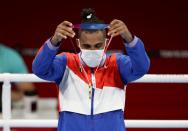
{"x": 63, "y": 30}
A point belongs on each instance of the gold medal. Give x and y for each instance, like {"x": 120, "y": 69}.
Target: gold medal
{"x": 90, "y": 91}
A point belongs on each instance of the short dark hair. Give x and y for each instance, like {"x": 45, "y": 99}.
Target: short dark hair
{"x": 88, "y": 16}
{"x": 92, "y": 19}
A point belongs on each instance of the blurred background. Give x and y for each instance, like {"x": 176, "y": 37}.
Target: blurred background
{"x": 161, "y": 24}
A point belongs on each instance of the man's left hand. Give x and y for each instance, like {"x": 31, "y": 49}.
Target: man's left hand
{"x": 118, "y": 27}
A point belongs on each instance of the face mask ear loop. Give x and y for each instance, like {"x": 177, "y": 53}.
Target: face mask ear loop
{"x": 105, "y": 49}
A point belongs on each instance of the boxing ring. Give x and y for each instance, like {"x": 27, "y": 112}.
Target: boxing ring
{"x": 6, "y": 122}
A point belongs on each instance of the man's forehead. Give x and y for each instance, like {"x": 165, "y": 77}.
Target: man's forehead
{"x": 92, "y": 36}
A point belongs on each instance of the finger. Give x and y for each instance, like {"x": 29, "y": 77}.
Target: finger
{"x": 114, "y": 22}
{"x": 114, "y": 26}
{"x": 60, "y": 36}
{"x": 66, "y": 33}
{"x": 68, "y": 29}
{"x": 65, "y": 26}
{"x": 117, "y": 33}
{"x": 119, "y": 29}
{"x": 67, "y": 23}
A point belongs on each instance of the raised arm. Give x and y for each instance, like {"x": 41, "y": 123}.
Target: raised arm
{"x": 47, "y": 64}
{"x": 137, "y": 63}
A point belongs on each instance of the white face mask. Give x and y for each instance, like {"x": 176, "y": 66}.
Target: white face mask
{"x": 93, "y": 58}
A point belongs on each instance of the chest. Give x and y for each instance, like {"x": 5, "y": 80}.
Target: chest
{"x": 103, "y": 77}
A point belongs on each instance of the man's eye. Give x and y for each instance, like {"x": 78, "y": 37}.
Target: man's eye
{"x": 98, "y": 45}
{"x": 86, "y": 46}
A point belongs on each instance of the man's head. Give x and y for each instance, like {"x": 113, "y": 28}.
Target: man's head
{"x": 91, "y": 39}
